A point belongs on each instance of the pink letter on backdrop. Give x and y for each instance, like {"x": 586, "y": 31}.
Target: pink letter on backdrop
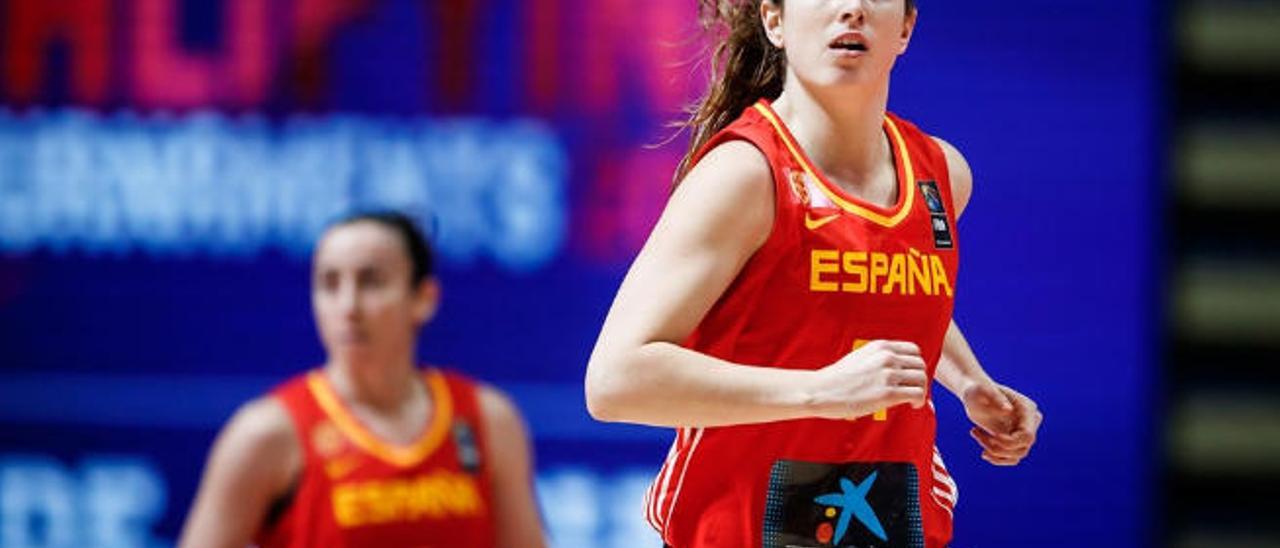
{"x": 314, "y": 23}
{"x": 29, "y": 28}
{"x": 542, "y": 54}
{"x": 634, "y": 43}
{"x": 456, "y": 34}
{"x": 167, "y": 76}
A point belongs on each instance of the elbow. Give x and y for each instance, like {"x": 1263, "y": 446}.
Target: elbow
{"x": 606, "y": 390}
{"x": 602, "y": 400}
{"x": 599, "y": 407}
{"x": 621, "y": 382}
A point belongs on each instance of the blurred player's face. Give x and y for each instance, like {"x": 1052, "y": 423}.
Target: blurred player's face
{"x": 839, "y": 42}
{"x": 366, "y": 307}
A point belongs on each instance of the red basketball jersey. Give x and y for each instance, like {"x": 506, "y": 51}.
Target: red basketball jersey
{"x": 358, "y": 490}
{"x": 834, "y": 272}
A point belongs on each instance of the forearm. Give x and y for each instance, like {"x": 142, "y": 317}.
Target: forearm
{"x": 958, "y": 368}
{"x": 664, "y": 384}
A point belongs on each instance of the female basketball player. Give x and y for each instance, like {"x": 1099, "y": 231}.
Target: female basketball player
{"x": 793, "y": 303}
{"x": 370, "y": 450}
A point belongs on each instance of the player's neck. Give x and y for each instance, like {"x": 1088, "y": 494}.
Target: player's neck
{"x": 841, "y": 131}
{"x": 384, "y": 386}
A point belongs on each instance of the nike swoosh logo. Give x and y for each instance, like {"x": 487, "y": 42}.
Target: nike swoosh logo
{"x": 814, "y": 224}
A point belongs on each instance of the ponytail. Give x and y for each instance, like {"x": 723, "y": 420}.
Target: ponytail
{"x": 745, "y": 67}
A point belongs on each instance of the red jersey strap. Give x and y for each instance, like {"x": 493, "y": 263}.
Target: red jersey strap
{"x": 294, "y": 395}
{"x": 748, "y": 127}
{"x": 305, "y": 415}
{"x": 930, "y": 162}
{"x": 465, "y": 393}
{"x": 756, "y": 129}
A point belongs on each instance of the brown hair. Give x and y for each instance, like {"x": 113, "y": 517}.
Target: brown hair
{"x": 745, "y": 67}
{"x": 416, "y": 245}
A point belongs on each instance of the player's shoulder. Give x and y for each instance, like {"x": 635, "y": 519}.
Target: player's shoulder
{"x": 497, "y": 407}
{"x": 257, "y": 453}
{"x": 949, "y": 150}
{"x": 733, "y": 163}
{"x": 726, "y": 200}
{"x": 261, "y": 423}
{"x": 732, "y": 179}
{"x": 491, "y": 402}
{"x": 958, "y": 172}
{"x": 932, "y": 144}
{"x": 957, "y": 165}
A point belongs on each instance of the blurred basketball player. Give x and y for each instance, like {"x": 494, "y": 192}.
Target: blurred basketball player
{"x": 369, "y": 449}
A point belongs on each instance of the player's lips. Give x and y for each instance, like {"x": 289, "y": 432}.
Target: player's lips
{"x": 851, "y": 44}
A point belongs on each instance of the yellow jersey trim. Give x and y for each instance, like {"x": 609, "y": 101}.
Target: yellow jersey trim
{"x": 402, "y": 456}
{"x": 905, "y": 180}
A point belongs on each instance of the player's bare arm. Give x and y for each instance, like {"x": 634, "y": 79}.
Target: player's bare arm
{"x": 516, "y": 510}
{"x": 717, "y": 218}
{"x": 253, "y": 462}
{"x": 1006, "y": 421}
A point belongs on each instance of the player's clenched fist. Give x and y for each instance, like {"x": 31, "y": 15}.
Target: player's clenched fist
{"x": 878, "y": 375}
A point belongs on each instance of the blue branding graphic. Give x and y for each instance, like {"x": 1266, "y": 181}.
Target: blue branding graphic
{"x": 815, "y": 504}
{"x": 224, "y": 186}
{"x": 852, "y": 502}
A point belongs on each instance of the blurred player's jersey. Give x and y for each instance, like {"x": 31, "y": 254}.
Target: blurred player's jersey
{"x": 835, "y": 272}
{"x": 358, "y": 490}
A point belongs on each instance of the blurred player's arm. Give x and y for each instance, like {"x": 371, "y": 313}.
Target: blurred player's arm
{"x": 253, "y": 461}
{"x": 716, "y": 219}
{"x": 507, "y": 443}
{"x": 1006, "y": 420}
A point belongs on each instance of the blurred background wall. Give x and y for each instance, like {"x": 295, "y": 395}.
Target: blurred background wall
{"x": 165, "y": 166}
{"x": 1223, "y": 405}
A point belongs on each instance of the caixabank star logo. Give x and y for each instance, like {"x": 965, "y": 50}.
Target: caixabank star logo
{"x": 845, "y": 505}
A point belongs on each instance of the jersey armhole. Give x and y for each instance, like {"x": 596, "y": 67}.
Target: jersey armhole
{"x": 288, "y": 398}
{"x": 280, "y": 506}
{"x": 466, "y": 393}
{"x": 942, "y": 172}
{"x": 279, "y": 510}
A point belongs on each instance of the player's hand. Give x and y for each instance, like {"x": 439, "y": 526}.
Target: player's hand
{"x": 1006, "y": 421}
{"x": 878, "y": 375}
